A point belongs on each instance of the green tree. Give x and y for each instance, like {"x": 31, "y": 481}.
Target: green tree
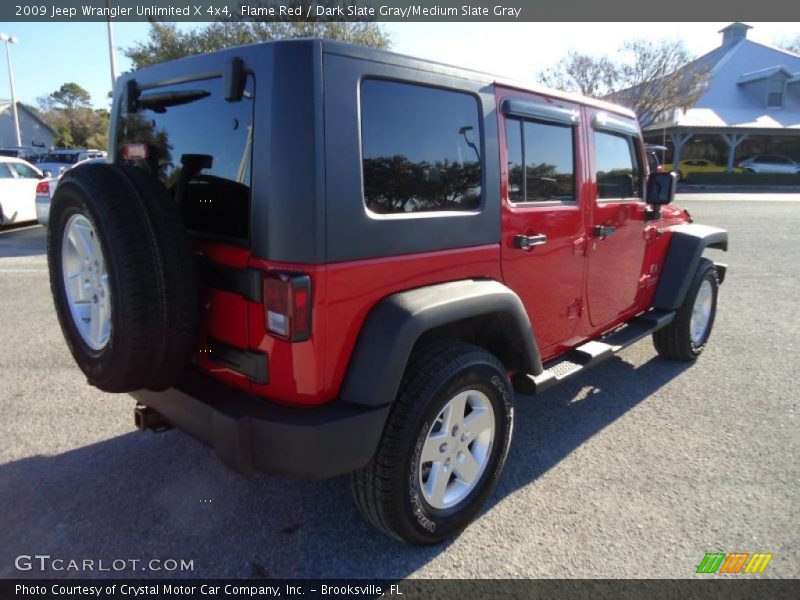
{"x": 166, "y": 42}
{"x": 69, "y": 111}
{"x": 69, "y": 97}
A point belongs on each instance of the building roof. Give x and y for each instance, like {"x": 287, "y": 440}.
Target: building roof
{"x": 735, "y": 118}
{"x": 765, "y": 74}
{"x": 726, "y": 101}
{"x": 5, "y": 105}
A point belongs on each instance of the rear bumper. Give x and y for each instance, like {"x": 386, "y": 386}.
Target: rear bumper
{"x": 43, "y": 210}
{"x": 253, "y": 435}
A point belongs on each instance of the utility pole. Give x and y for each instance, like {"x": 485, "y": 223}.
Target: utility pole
{"x": 10, "y": 39}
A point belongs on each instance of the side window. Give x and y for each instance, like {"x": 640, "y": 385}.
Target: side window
{"x": 24, "y": 171}
{"x": 420, "y": 147}
{"x": 5, "y": 172}
{"x": 618, "y": 172}
{"x": 541, "y": 161}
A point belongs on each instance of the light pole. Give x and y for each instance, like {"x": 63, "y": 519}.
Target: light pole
{"x": 111, "y": 52}
{"x": 10, "y": 39}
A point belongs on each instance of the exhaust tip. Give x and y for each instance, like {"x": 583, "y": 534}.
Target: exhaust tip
{"x": 146, "y": 418}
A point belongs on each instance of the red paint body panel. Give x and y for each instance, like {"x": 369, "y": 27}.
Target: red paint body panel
{"x": 616, "y": 262}
{"x": 355, "y": 287}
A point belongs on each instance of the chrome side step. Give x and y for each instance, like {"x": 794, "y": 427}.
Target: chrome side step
{"x": 593, "y": 352}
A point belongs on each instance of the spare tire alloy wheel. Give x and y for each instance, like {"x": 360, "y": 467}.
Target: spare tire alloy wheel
{"x": 123, "y": 277}
{"x": 85, "y": 276}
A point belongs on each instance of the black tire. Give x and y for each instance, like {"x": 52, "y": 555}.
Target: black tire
{"x": 139, "y": 352}
{"x": 675, "y": 340}
{"x": 178, "y": 277}
{"x": 388, "y": 490}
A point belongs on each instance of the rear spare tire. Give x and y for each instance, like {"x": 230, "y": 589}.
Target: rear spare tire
{"x": 112, "y": 276}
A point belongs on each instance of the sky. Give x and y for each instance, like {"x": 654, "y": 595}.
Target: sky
{"x": 50, "y": 54}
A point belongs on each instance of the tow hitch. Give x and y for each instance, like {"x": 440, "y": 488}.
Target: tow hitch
{"x": 146, "y": 418}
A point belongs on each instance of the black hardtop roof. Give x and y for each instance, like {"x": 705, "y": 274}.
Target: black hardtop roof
{"x": 389, "y": 57}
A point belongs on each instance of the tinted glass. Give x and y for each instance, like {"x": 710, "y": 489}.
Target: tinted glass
{"x": 421, "y": 148}
{"x": 199, "y": 146}
{"x": 618, "y": 173}
{"x": 5, "y": 172}
{"x": 24, "y": 170}
{"x": 548, "y": 156}
{"x": 516, "y": 172}
{"x": 69, "y": 159}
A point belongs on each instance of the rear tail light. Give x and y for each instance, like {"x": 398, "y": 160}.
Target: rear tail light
{"x": 135, "y": 152}
{"x": 288, "y": 305}
{"x": 43, "y": 188}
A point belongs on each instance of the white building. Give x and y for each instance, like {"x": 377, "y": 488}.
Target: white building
{"x": 751, "y": 105}
{"x": 33, "y": 130}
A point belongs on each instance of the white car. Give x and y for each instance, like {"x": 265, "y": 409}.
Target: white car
{"x": 770, "y": 163}
{"x": 18, "y": 181}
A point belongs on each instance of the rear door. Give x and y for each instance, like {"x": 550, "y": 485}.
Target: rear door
{"x": 543, "y": 241}
{"x": 617, "y": 247}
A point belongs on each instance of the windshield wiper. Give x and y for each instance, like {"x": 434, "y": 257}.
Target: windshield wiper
{"x": 159, "y": 101}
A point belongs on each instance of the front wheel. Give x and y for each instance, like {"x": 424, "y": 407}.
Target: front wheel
{"x": 443, "y": 448}
{"x": 686, "y": 337}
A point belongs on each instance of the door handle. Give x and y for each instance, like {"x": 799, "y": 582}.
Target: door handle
{"x": 603, "y": 230}
{"x": 526, "y": 242}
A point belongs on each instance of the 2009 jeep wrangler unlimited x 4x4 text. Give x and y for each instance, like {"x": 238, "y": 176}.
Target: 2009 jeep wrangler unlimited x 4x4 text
{"x": 321, "y": 258}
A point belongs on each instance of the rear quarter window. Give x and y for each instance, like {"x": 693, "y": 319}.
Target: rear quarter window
{"x": 421, "y": 148}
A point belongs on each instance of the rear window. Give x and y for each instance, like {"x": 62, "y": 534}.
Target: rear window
{"x": 24, "y": 170}
{"x": 69, "y": 158}
{"x": 200, "y": 147}
{"x": 421, "y": 148}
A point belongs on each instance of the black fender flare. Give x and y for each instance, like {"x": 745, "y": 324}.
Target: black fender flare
{"x": 395, "y": 324}
{"x": 683, "y": 256}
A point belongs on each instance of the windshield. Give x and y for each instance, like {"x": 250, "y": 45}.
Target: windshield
{"x": 69, "y": 159}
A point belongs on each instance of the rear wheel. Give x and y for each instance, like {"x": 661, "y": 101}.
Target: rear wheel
{"x": 686, "y": 337}
{"x": 444, "y": 446}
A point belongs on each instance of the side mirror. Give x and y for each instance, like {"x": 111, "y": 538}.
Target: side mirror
{"x": 661, "y": 188}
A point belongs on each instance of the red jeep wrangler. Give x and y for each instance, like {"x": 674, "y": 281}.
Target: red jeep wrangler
{"x": 320, "y": 258}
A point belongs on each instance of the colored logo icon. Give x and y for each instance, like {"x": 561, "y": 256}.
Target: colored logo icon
{"x": 734, "y": 562}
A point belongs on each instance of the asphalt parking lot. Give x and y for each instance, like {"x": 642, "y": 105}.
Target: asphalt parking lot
{"x": 635, "y": 469}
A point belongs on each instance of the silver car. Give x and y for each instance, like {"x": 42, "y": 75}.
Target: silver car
{"x": 770, "y": 163}
{"x": 46, "y": 189}
{"x": 56, "y": 162}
